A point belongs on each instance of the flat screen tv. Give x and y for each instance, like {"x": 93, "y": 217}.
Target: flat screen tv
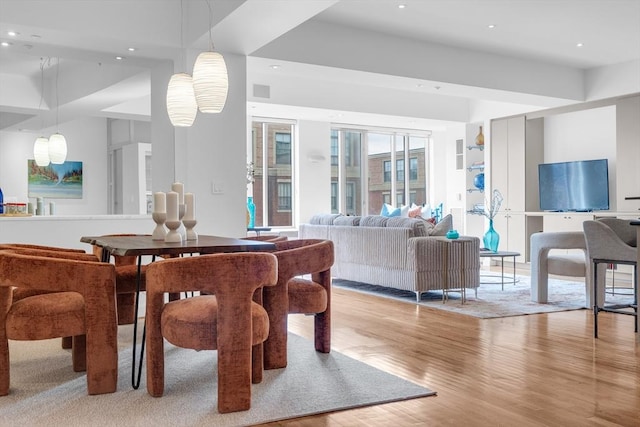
{"x": 580, "y": 186}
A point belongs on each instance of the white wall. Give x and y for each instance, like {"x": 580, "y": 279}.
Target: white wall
{"x": 86, "y": 142}
{"x": 313, "y": 192}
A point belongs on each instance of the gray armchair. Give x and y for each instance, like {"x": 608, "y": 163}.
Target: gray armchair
{"x": 611, "y": 241}
{"x": 544, "y": 263}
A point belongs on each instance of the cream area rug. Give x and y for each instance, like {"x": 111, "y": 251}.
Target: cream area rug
{"x": 492, "y": 301}
{"x": 46, "y": 392}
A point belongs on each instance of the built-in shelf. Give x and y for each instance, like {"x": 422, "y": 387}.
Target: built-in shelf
{"x": 475, "y": 147}
{"x": 475, "y": 167}
{"x": 471, "y": 190}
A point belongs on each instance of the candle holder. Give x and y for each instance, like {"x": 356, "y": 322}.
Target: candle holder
{"x": 173, "y": 236}
{"x": 159, "y": 232}
{"x": 182, "y": 208}
{"x": 189, "y": 224}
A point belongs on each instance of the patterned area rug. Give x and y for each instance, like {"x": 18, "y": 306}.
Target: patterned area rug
{"x": 492, "y": 301}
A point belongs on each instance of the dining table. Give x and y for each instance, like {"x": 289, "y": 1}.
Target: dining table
{"x": 144, "y": 245}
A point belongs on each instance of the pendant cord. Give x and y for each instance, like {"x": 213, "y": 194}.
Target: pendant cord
{"x": 211, "y": 48}
{"x": 57, "y": 95}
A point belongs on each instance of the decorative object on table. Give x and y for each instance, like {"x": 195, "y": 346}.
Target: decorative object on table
{"x": 491, "y": 238}
{"x": 478, "y": 181}
{"x": 480, "y": 138}
{"x": 178, "y": 187}
{"x": 40, "y": 206}
{"x": 52, "y": 208}
{"x": 55, "y": 181}
{"x": 173, "y": 220}
{"x": 452, "y": 234}
{"x": 251, "y": 210}
{"x": 189, "y": 219}
{"x": 1, "y": 201}
{"x": 159, "y": 215}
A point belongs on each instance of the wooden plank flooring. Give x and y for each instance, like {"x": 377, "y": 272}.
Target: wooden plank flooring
{"x": 536, "y": 370}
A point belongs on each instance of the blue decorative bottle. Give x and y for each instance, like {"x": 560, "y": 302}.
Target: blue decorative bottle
{"x": 491, "y": 238}
{"x": 251, "y": 208}
{"x": 1, "y": 202}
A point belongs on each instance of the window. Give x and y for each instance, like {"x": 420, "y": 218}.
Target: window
{"x": 284, "y": 196}
{"x": 283, "y": 148}
{"x": 334, "y": 148}
{"x": 271, "y": 150}
{"x": 387, "y": 170}
{"x": 400, "y": 170}
{"x": 334, "y": 197}
{"x": 413, "y": 168}
{"x": 372, "y": 170}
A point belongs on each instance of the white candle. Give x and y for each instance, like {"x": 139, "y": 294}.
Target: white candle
{"x": 159, "y": 202}
{"x": 172, "y": 206}
{"x": 178, "y": 187}
{"x": 190, "y": 201}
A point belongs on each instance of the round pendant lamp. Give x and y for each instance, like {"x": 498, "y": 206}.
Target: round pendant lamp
{"x": 41, "y": 151}
{"x": 57, "y": 148}
{"x": 181, "y": 101}
{"x": 210, "y": 82}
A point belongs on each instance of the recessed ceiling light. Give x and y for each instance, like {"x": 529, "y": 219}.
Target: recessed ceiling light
{"x": 579, "y": 45}
{"x": 120, "y": 58}
{"x": 131, "y": 49}
{"x": 13, "y": 33}
{"x": 491, "y": 26}
{"x": 5, "y": 44}
{"x": 402, "y": 6}
{"x": 275, "y": 67}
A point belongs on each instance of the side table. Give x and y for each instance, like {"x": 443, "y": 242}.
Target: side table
{"x": 455, "y": 265}
{"x": 502, "y": 255}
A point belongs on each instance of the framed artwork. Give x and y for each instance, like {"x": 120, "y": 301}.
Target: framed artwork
{"x": 62, "y": 181}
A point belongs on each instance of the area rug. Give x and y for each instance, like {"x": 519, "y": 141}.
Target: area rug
{"x": 45, "y": 390}
{"x": 492, "y": 301}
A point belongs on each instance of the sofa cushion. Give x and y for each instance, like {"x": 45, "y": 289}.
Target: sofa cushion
{"x": 373, "y": 221}
{"x": 416, "y": 225}
{"x": 441, "y": 228}
{"x": 323, "y": 219}
{"x": 347, "y": 220}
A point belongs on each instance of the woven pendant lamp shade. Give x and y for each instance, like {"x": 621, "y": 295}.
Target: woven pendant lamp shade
{"x": 210, "y": 82}
{"x": 57, "y": 149}
{"x": 41, "y": 151}
{"x": 181, "y": 101}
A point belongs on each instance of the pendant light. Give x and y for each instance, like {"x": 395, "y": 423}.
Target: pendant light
{"x": 210, "y": 78}
{"x": 57, "y": 141}
{"x": 181, "y": 100}
{"x": 41, "y": 146}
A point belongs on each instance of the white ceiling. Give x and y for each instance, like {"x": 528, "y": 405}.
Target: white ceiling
{"x": 88, "y": 34}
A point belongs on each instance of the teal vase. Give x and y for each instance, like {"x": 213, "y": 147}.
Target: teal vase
{"x": 491, "y": 238}
{"x": 251, "y": 208}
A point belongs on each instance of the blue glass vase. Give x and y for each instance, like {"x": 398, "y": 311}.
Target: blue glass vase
{"x": 251, "y": 209}
{"x": 491, "y": 238}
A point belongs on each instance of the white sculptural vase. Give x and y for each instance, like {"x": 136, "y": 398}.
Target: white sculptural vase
{"x": 173, "y": 236}
{"x": 189, "y": 224}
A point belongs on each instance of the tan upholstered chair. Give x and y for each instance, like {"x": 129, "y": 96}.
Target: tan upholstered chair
{"x": 295, "y": 294}
{"x": 611, "y": 241}
{"x": 226, "y": 320}
{"x": 74, "y": 298}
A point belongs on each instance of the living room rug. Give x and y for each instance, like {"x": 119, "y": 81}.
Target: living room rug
{"x": 492, "y": 301}
{"x": 46, "y": 391}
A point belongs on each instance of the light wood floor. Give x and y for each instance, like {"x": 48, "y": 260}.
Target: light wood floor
{"x": 536, "y": 370}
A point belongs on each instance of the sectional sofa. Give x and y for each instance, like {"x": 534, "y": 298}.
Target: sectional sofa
{"x": 401, "y": 253}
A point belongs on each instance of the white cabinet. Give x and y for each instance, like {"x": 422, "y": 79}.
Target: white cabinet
{"x": 512, "y": 230}
{"x": 565, "y": 221}
{"x": 627, "y": 163}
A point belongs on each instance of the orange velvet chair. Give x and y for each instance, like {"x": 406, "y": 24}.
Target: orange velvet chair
{"x": 295, "y": 294}
{"x": 73, "y": 298}
{"x": 267, "y": 238}
{"x": 226, "y": 319}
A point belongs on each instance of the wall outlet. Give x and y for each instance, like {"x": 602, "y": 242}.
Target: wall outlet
{"x": 217, "y": 187}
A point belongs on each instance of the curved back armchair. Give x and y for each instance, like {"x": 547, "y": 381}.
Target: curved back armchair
{"x": 73, "y": 298}
{"x": 225, "y": 319}
{"x": 295, "y": 294}
{"x": 609, "y": 241}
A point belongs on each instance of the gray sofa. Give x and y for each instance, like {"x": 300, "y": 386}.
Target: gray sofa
{"x": 401, "y": 253}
